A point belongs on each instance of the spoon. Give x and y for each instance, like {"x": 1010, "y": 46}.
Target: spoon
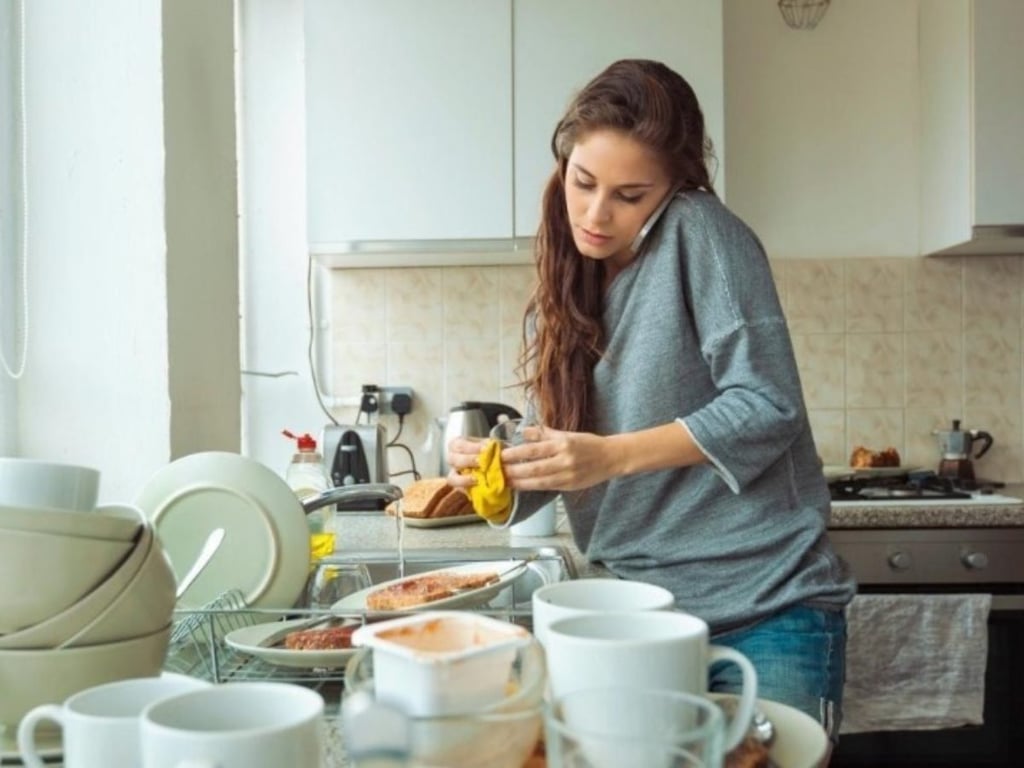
{"x": 210, "y": 547}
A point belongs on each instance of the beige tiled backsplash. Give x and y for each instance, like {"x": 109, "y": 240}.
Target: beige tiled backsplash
{"x": 888, "y": 349}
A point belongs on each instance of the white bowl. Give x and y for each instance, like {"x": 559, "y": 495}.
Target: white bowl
{"x": 145, "y": 604}
{"x": 119, "y": 522}
{"x": 59, "y": 628}
{"x": 42, "y": 574}
{"x": 31, "y": 678}
{"x": 31, "y": 483}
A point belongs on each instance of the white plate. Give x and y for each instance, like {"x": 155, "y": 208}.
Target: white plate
{"x": 357, "y": 600}
{"x": 248, "y": 639}
{"x": 800, "y": 741}
{"x": 48, "y": 745}
{"x": 265, "y": 552}
{"x": 835, "y": 471}
{"x": 441, "y": 522}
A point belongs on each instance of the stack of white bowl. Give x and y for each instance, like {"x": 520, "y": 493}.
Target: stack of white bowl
{"x": 86, "y": 591}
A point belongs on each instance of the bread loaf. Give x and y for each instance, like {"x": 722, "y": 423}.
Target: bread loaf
{"x": 432, "y": 497}
{"x": 864, "y": 458}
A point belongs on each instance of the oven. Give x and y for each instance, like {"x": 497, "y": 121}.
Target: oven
{"x": 945, "y": 560}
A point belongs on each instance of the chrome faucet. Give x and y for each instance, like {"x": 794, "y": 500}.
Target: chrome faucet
{"x": 359, "y": 492}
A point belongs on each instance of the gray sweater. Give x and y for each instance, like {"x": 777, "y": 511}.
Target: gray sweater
{"x": 695, "y": 333}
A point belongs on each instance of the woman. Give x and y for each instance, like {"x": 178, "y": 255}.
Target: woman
{"x": 664, "y": 376}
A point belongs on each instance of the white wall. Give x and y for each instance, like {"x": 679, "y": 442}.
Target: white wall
{"x": 822, "y": 128}
{"x": 273, "y": 160}
{"x": 96, "y": 388}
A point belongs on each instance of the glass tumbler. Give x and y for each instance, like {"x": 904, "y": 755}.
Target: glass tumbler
{"x": 623, "y": 726}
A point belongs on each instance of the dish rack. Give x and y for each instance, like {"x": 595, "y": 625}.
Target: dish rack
{"x": 197, "y": 647}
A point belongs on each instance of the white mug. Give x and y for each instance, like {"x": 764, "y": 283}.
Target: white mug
{"x": 100, "y": 725}
{"x": 235, "y": 725}
{"x": 650, "y": 649}
{"x": 541, "y": 523}
{"x": 579, "y": 597}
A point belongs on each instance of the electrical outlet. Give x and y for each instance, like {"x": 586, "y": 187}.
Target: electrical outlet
{"x": 387, "y": 394}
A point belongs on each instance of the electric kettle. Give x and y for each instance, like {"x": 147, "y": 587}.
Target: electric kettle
{"x": 957, "y": 446}
{"x": 473, "y": 419}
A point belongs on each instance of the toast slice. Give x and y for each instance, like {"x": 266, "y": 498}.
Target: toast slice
{"x": 421, "y": 498}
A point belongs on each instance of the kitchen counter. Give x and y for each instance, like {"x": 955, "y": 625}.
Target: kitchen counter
{"x": 359, "y": 531}
{"x": 934, "y": 514}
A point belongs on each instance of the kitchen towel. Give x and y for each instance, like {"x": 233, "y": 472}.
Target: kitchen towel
{"x": 915, "y": 662}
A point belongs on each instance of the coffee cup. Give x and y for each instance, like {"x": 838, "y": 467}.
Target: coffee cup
{"x": 650, "y": 649}
{"x": 235, "y": 725}
{"x": 580, "y": 597}
{"x": 100, "y": 725}
{"x": 541, "y": 523}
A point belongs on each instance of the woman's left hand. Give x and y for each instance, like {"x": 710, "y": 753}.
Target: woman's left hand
{"x": 552, "y": 460}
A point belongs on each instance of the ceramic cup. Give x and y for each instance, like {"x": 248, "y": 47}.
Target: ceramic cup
{"x": 100, "y": 725}
{"x": 235, "y": 725}
{"x": 31, "y": 483}
{"x": 541, "y": 523}
{"x": 615, "y": 727}
{"x": 648, "y": 649}
{"x": 579, "y": 597}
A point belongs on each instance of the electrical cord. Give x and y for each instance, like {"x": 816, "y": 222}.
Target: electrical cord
{"x": 310, "y": 357}
{"x": 395, "y": 444}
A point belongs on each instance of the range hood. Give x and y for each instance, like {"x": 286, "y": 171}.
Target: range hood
{"x": 972, "y": 121}
{"x": 988, "y": 240}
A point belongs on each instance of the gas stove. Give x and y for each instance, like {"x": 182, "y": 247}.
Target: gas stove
{"x": 914, "y": 486}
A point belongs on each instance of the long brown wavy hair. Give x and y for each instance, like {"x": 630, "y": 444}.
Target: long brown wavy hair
{"x": 655, "y": 106}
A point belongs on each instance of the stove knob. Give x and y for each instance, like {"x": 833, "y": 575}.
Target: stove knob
{"x": 974, "y": 560}
{"x": 900, "y": 561}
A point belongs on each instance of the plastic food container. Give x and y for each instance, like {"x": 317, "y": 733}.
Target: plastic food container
{"x": 441, "y": 662}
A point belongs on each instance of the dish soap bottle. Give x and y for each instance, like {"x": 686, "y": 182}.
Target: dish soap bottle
{"x": 307, "y": 477}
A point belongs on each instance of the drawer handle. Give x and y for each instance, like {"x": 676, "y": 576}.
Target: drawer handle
{"x": 975, "y": 560}
{"x": 900, "y": 561}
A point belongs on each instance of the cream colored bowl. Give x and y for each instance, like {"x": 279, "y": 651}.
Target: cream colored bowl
{"x": 42, "y": 574}
{"x": 65, "y": 625}
{"x": 144, "y": 605}
{"x": 119, "y": 522}
{"x": 31, "y": 678}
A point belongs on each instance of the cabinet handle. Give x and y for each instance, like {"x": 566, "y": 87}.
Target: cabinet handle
{"x": 900, "y": 561}
{"x": 975, "y": 560}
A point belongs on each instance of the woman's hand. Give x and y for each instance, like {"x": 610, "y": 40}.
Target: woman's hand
{"x": 462, "y": 454}
{"x": 552, "y": 460}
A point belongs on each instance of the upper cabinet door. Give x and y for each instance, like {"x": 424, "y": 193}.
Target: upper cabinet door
{"x": 560, "y": 45}
{"x": 972, "y": 120}
{"x": 409, "y": 115}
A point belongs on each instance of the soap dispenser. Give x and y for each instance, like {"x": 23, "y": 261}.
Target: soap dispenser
{"x": 307, "y": 477}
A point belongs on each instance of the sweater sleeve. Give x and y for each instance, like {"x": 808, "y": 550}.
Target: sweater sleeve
{"x": 758, "y": 410}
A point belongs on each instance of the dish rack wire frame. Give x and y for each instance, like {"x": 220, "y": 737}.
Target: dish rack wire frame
{"x": 197, "y": 647}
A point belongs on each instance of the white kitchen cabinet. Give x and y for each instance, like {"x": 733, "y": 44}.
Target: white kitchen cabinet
{"x": 429, "y": 124}
{"x": 560, "y": 45}
{"x": 409, "y": 119}
{"x": 972, "y": 121}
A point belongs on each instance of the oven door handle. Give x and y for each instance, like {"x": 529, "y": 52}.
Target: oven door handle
{"x": 1007, "y": 603}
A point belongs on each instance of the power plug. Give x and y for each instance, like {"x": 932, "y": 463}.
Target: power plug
{"x": 396, "y": 400}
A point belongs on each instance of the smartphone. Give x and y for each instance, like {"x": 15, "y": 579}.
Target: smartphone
{"x": 645, "y": 230}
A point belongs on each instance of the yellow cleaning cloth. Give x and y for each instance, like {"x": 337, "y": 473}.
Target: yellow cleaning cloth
{"x": 491, "y": 498}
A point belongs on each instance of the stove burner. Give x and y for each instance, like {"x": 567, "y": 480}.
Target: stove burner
{"x": 911, "y": 485}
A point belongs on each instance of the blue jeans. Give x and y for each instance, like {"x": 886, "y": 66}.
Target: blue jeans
{"x": 800, "y": 658}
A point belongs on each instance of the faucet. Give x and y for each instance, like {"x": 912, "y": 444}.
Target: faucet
{"x": 358, "y": 492}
